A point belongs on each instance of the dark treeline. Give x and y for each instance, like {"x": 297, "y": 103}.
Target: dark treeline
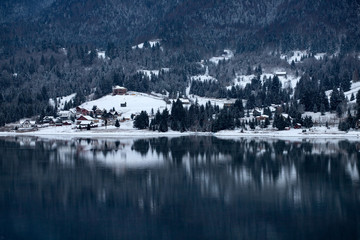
{"x": 210, "y": 118}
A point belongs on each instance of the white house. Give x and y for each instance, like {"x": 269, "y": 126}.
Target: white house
{"x": 65, "y": 115}
{"x": 27, "y": 123}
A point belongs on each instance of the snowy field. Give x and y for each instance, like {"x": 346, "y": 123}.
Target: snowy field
{"x": 135, "y": 103}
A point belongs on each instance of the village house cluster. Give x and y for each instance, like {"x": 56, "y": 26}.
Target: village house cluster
{"x": 81, "y": 118}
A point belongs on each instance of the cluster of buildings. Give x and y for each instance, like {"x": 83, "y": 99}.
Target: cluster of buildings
{"x": 80, "y": 117}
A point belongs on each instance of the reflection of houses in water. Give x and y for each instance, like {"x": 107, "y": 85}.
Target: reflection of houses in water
{"x": 27, "y": 141}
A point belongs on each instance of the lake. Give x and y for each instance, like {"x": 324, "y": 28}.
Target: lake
{"x": 179, "y": 188}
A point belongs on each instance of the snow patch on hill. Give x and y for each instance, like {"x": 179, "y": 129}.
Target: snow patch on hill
{"x": 294, "y": 56}
{"x": 149, "y": 73}
{"x": 101, "y": 54}
{"x": 227, "y": 55}
{"x": 204, "y": 78}
{"x": 135, "y": 103}
{"x": 214, "y": 101}
{"x": 319, "y": 56}
{"x": 61, "y": 101}
{"x": 151, "y": 42}
{"x": 289, "y": 81}
{"x": 355, "y": 87}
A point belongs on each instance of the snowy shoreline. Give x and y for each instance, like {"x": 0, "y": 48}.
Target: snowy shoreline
{"x": 66, "y": 132}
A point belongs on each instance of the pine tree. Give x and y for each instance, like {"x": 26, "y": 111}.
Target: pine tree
{"x": 178, "y": 116}
{"x": 117, "y": 123}
{"x": 163, "y": 127}
{"x": 352, "y": 98}
{"x": 334, "y": 99}
{"x": 279, "y": 122}
{"x": 308, "y": 122}
{"x": 141, "y": 121}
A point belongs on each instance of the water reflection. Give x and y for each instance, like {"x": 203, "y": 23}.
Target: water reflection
{"x": 179, "y": 188}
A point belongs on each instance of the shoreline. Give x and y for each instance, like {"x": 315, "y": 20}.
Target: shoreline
{"x": 134, "y": 133}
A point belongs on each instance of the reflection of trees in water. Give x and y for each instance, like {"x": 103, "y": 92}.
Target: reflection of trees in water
{"x": 254, "y": 192}
{"x": 258, "y": 157}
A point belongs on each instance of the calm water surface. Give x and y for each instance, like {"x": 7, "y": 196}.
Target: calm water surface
{"x": 179, "y": 188}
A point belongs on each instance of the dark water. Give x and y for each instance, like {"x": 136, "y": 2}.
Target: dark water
{"x": 179, "y": 188}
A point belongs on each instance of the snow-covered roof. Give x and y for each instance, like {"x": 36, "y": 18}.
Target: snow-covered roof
{"x": 24, "y": 120}
{"x": 89, "y": 118}
{"x": 280, "y": 73}
{"x": 285, "y": 115}
{"x": 118, "y": 87}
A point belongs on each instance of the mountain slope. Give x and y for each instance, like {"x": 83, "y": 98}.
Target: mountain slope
{"x": 210, "y": 24}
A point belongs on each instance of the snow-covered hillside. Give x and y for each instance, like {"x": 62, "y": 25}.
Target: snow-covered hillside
{"x": 294, "y": 56}
{"x": 289, "y": 81}
{"x": 214, "y": 101}
{"x": 204, "y": 78}
{"x": 149, "y": 73}
{"x": 297, "y": 56}
{"x": 355, "y": 87}
{"x": 135, "y": 103}
{"x": 61, "y": 101}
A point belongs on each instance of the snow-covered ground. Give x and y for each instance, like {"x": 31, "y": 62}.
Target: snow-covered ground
{"x": 294, "y": 56}
{"x": 297, "y": 55}
{"x": 204, "y": 78}
{"x": 135, "y": 103}
{"x": 355, "y": 87}
{"x": 62, "y": 100}
{"x": 319, "y": 56}
{"x": 151, "y": 42}
{"x": 214, "y": 101}
{"x": 101, "y": 54}
{"x": 126, "y": 130}
{"x": 227, "y": 55}
{"x": 149, "y": 73}
{"x": 242, "y": 80}
{"x": 315, "y": 132}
